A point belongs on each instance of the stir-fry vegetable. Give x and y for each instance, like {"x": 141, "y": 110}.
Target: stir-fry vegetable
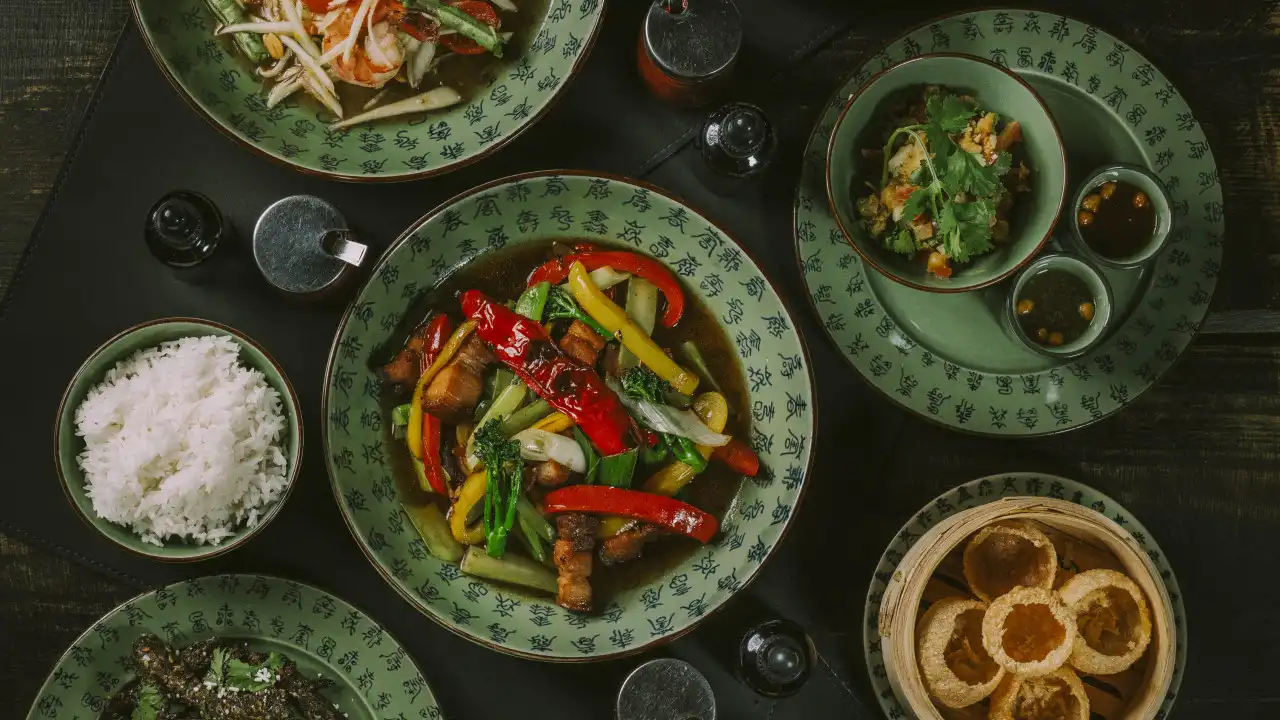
{"x": 523, "y": 345}
{"x": 475, "y": 21}
{"x": 647, "y": 268}
{"x": 562, "y": 306}
{"x": 432, "y": 477}
{"x": 638, "y": 392}
{"x": 533, "y": 301}
{"x": 504, "y": 471}
{"x": 469, "y": 498}
{"x": 617, "y": 470}
{"x": 511, "y": 569}
{"x": 540, "y": 446}
{"x": 229, "y": 12}
{"x": 415, "y": 408}
{"x": 614, "y": 319}
{"x": 665, "y": 512}
{"x": 434, "y": 531}
{"x": 642, "y": 308}
{"x": 556, "y": 422}
{"x": 433, "y": 99}
{"x": 694, "y": 356}
{"x": 527, "y": 416}
{"x": 739, "y": 457}
{"x": 589, "y": 453}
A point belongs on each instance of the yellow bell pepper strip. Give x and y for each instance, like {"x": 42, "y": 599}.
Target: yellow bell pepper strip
{"x": 713, "y": 409}
{"x": 472, "y": 492}
{"x": 556, "y": 422}
{"x": 621, "y": 326}
{"x": 450, "y": 349}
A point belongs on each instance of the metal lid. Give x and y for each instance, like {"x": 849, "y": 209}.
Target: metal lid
{"x": 301, "y": 245}
{"x": 693, "y": 39}
{"x": 664, "y": 689}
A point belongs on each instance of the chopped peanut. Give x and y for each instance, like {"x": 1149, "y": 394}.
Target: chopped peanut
{"x": 1107, "y": 190}
{"x": 1026, "y": 305}
{"x": 1086, "y": 311}
{"x": 1140, "y": 200}
{"x": 1091, "y": 202}
{"x": 1084, "y": 218}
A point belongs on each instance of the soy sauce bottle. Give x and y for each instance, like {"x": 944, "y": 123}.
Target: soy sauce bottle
{"x": 183, "y": 230}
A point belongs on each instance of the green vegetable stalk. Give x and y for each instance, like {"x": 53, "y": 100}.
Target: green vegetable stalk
{"x": 533, "y": 301}
{"x": 562, "y": 306}
{"x": 229, "y": 12}
{"x": 617, "y": 470}
{"x": 525, "y": 417}
{"x": 686, "y": 451}
{"x": 593, "y": 458}
{"x": 504, "y": 469}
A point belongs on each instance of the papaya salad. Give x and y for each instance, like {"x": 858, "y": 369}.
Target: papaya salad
{"x": 317, "y": 46}
{"x": 553, "y": 430}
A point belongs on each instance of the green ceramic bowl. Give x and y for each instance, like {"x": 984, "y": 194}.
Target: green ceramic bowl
{"x": 510, "y": 95}
{"x": 148, "y": 335}
{"x": 996, "y": 89}
{"x": 370, "y": 468}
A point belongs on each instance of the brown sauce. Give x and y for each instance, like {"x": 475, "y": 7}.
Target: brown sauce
{"x": 1055, "y": 307}
{"x": 1117, "y": 220}
{"x": 502, "y": 276}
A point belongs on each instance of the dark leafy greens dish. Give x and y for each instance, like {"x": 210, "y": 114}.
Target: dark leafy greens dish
{"x": 217, "y": 680}
{"x": 948, "y": 178}
{"x": 562, "y": 418}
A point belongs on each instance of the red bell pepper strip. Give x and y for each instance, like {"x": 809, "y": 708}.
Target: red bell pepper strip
{"x": 438, "y": 333}
{"x": 660, "y": 510}
{"x": 566, "y": 384}
{"x": 739, "y": 457}
{"x": 556, "y": 271}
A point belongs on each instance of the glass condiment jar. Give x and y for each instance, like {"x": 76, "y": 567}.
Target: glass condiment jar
{"x": 737, "y": 144}
{"x": 183, "y": 229}
{"x": 775, "y": 658}
{"x": 688, "y": 48}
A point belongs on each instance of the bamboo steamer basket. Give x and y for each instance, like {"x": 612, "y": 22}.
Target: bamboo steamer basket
{"x": 1085, "y": 540}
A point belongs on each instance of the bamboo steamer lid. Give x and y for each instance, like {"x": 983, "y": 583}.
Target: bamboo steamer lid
{"x": 1068, "y": 522}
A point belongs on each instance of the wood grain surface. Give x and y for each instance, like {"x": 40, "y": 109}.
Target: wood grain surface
{"x": 1195, "y": 458}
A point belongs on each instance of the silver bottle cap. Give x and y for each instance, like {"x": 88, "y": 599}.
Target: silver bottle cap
{"x": 664, "y": 689}
{"x": 302, "y": 246}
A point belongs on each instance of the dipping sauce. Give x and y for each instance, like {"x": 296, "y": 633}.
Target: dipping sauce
{"x": 1117, "y": 219}
{"x": 1055, "y": 307}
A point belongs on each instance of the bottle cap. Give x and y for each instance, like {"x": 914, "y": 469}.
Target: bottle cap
{"x": 665, "y": 689}
{"x": 775, "y": 658}
{"x": 183, "y": 228}
{"x": 302, "y": 246}
{"x": 693, "y": 39}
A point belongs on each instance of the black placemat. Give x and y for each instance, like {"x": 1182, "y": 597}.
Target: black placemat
{"x": 88, "y": 275}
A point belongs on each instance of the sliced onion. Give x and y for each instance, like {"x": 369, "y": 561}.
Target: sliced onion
{"x": 669, "y": 420}
{"x": 420, "y": 62}
{"x": 605, "y": 277}
{"x": 540, "y": 446}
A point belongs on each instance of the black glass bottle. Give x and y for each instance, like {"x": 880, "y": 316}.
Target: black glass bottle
{"x": 184, "y": 229}
{"x": 737, "y": 144}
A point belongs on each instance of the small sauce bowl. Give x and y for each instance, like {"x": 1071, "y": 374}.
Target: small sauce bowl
{"x": 1102, "y": 305}
{"x": 1145, "y": 181}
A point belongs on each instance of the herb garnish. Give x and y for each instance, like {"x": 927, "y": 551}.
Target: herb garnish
{"x": 957, "y": 190}
{"x": 150, "y": 703}
{"x": 228, "y": 672}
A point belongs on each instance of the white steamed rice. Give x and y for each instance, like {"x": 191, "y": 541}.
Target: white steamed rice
{"x": 182, "y": 441}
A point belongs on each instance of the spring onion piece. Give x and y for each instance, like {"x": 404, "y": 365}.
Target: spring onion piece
{"x": 531, "y": 542}
{"x": 494, "y": 383}
{"x": 615, "y": 320}
{"x": 694, "y": 356}
{"x": 526, "y": 416}
{"x": 512, "y": 569}
{"x": 435, "y": 99}
{"x": 540, "y": 446}
{"x": 533, "y": 301}
{"x": 400, "y": 415}
{"x": 453, "y": 18}
{"x": 434, "y": 531}
{"x": 666, "y": 419}
{"x": 616, "y": 470}
{"x": 642, "y": 308}
{"x": 534, "y": 520}
{"x": 589, "y": 452}
{"x": 229, "y": 12}
{"x": 684, "y": 450}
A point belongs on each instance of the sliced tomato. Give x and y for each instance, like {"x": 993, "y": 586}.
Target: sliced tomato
{"x": 479, "y": 10}
{"x": 317, "y": 6}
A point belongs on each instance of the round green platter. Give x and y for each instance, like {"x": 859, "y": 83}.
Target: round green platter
{"x": 222, "y": 87}
{"x": 983, "y": 491}
{"x": 374, "y": 675}
{"x": 946, "y": 358}
{"x": 714, "y": 269}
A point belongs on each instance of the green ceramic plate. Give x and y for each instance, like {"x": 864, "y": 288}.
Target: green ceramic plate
{"x": 947, "y": 358}
{"x": 223, "y": 87}
{"x": 980, "y": 492}
{"x": 140, "y": 337}
{"x": 375, "y": 676}
{"x": 714, "y": 268}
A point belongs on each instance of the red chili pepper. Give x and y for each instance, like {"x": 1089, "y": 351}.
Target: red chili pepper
{"x": 479, "y": 10}
{"x": 660, "y": 510}
{"x": 438, "y": 333}
{"x": 566, "y": 384}
{"x": 739, "y": 457}
{"x": 556, "y": 271}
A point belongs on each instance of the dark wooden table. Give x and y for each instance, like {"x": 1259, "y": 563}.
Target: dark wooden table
{"x": 1195, "y": 458}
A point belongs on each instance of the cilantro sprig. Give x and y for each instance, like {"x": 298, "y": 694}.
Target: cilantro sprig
{"x": 229, "y": 672}
{"x": 964, "y": 228}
